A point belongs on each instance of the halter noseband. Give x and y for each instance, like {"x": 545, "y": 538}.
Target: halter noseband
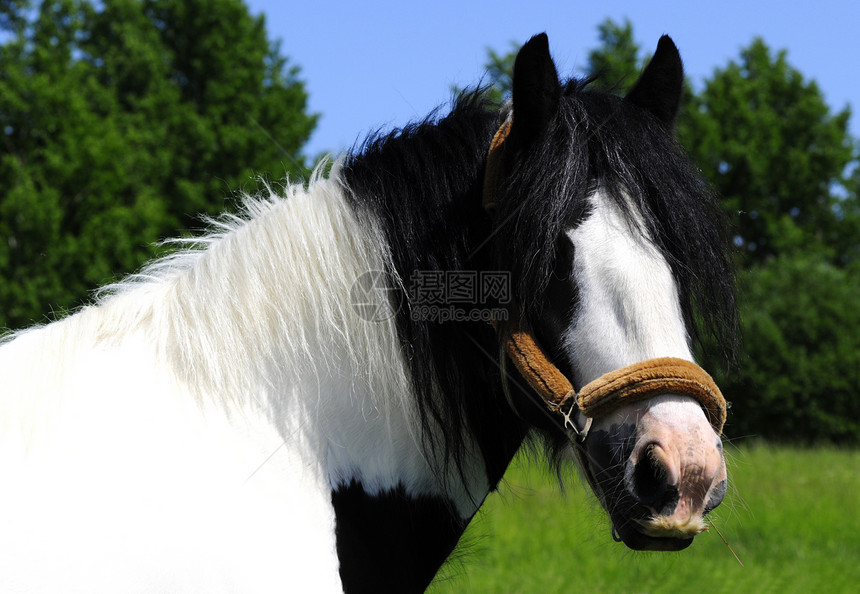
{"x": 611, "y": 391}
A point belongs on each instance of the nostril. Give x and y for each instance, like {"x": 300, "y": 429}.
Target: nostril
{"x": 718, "y": 492}
{"x": 648, "y": 483}
{"x": 649, "y": 475}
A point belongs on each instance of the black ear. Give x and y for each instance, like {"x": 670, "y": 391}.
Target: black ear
{"x": 536, "y": 90}
{"x": 659, "y": 87}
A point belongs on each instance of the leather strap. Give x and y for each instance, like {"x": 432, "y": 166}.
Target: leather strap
{"x": 493, "y": 171}
{"x": 611, "y": 391}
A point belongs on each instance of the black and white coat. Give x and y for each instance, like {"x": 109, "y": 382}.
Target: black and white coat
{"x": 228, "y": 420}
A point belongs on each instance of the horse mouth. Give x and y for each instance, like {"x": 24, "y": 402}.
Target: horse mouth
{"x": 637, "y": 540}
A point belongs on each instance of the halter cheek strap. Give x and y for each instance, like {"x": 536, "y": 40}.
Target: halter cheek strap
{"x": 611, "y": 391}
{"x": 493, "y": 171}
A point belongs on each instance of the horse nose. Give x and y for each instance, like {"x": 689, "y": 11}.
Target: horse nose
{"x": 678, "y": 485}
{"x": 652, "y": 481}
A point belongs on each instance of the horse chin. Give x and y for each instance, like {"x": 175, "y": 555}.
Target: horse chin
{"x": 639, "y": 541}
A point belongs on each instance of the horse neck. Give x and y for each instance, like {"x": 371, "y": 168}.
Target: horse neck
{"x": 260, "y": 320}
{"x": 401, "y": 419}
{"x": 422, "y": 188}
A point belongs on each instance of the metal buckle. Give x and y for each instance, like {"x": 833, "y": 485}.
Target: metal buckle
{"x": 570, "y": 422}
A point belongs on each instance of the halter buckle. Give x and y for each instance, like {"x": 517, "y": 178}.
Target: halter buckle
{"x": 568, "y": 416}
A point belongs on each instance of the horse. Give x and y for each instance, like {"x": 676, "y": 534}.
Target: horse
{"x": 320, "y": 392}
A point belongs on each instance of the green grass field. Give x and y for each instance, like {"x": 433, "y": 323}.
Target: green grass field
{"x": 791, "y": 515}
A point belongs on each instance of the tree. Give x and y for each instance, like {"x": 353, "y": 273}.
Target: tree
{"x": 845, "y": 239}
{"x": 800, "y": 376}
{"x": 500, "y": 69}
{"x": 122, "y": 121}
{"x": 616, "y": 63}
{"x": 766, "y": 138}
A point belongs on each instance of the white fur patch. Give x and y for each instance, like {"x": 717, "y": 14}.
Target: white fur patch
{"x": 185, "y": 433}
{"x": 629, "y": 309}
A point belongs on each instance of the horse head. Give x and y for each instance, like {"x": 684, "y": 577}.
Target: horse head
{"x": 611, "y": 240}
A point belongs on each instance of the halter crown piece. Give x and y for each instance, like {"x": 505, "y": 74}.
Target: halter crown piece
{"x": 636, "y": 382}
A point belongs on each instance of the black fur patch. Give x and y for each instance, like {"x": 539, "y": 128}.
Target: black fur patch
{"x": 392, "y": 542}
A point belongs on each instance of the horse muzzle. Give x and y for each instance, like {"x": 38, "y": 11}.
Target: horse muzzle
{"x": 650, "y": 433}
{"x": 658, "y": 477}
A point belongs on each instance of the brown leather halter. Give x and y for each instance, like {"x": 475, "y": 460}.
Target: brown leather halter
{"x": 636, "y": 382}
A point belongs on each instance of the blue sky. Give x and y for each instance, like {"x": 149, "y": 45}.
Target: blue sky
{"x": 370, "y": 65}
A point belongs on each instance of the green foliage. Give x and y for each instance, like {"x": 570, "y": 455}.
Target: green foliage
{"x": 790, "y": 515}
{"x": 121, "y": 121}
{"x": 616, "y": 62}
{"x": 844, "y": 238}
{"x": 801, "y": 372}
{"x": 766, "y": 138}
{"x": 500, "y": 68}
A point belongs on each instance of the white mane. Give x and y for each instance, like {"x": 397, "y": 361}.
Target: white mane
{"x": 265, "y": 294}
{"x": 260, "y": 300}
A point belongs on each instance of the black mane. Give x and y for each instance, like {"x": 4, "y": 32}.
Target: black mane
{"x": 424, "y": 183}
{"x": 600, "y": 140}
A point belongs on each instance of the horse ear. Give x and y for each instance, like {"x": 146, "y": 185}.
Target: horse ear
{"x": 659, "y": 87}
{"x": 536, "y": 90}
